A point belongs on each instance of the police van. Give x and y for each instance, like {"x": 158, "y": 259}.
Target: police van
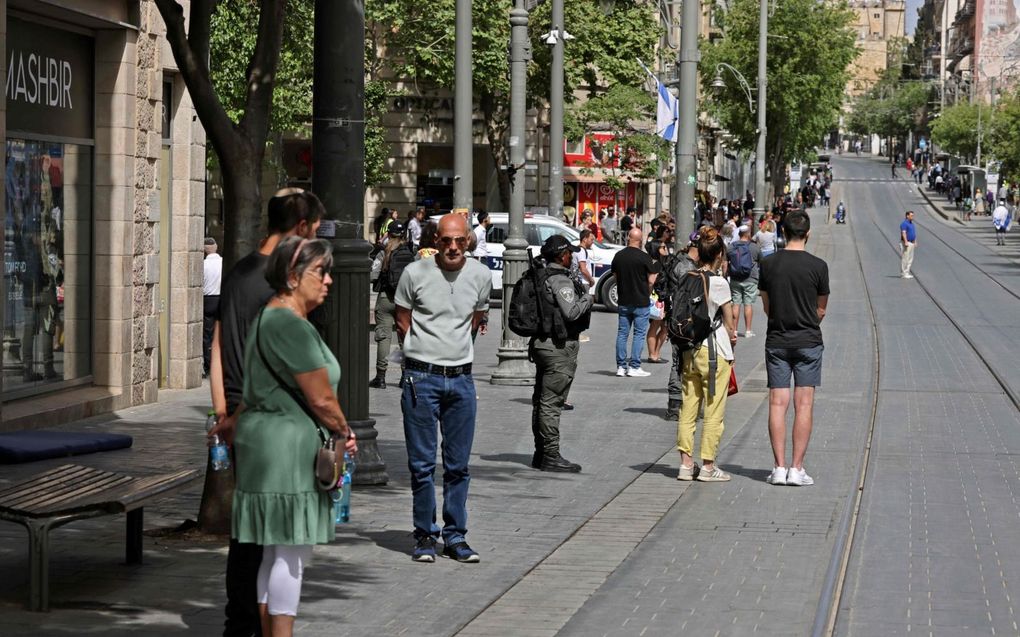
{"x": 538, "y": 228}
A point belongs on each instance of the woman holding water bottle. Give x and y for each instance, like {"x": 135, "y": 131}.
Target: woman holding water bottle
{"x": 276, "y": 502}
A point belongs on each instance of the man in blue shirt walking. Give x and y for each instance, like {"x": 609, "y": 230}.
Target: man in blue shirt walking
{"x": 908, "y": 241}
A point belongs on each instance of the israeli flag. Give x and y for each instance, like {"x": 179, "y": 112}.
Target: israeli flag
{"x": 666, "y": 114}
{"x": 667, "y": 109}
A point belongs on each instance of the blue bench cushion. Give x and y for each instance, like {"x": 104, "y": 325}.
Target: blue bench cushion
{"x": 27, "y": 446}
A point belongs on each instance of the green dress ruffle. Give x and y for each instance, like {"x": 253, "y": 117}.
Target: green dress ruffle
{"x": 275, "y": 498}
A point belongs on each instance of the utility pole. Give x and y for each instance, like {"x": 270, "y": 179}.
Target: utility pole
{"x": 463, "y": 142}
{"x": 760, "y": 190}
{"x": 686, "y": 147}
{"x": 514, "y": 368}
{"x": 558, "y": 33}
{"x": 338, "y": 169}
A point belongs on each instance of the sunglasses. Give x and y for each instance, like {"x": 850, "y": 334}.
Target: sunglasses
{"x": 447, "y": 241}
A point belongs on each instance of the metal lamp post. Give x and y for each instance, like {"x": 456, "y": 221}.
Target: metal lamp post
{"x": 686, "y": 177}
{"x": 338, "y": 163}
{"x": 556, "y": 37}
{"x": 463, "y": 142}
{"x": 760, "y": 190}
{"x": 759, "y": 160}
{"x": 514, "y": 368}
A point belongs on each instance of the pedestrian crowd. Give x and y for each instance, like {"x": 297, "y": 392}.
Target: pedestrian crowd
{"x": 274, "y": 381}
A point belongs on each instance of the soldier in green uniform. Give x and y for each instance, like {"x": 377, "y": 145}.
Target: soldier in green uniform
{"x": 555, "y": 354}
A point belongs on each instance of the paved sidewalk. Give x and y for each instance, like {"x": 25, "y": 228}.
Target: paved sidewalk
{"x": 365, "y": 582}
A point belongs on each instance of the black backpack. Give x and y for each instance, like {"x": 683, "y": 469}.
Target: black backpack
{"x": 688, "y": 320}
{"x": 399, "y": 259}
{"x": 528, "y": 312}
{"x": 668, "y": 281}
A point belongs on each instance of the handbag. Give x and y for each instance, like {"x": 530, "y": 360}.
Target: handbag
{"x": 733, "y": 383}
{"x": 328, "y": 462}
{"x": 656, "y": 310}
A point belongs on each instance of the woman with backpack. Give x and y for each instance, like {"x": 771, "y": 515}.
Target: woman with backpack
{"x": 705, "y": 369}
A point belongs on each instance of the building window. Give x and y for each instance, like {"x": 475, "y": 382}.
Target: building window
{"x": 878, "y": 16}
{"x": 47, "y": 263}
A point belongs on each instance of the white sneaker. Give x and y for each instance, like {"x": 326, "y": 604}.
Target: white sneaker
{"x": 584, "y": 338}
{"x": 639, "y": 373}
{"x": 748, "y": 334}
{"x": 621, "y": 371}
{"x": 908, "y": 276}
{"x": 798, "y": 478}
{"x": 777, "y": 477}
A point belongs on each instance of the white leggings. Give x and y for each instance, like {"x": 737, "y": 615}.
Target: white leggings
{"x": 279, "y": 580}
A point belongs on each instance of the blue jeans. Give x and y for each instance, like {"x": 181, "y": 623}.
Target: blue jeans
{"x": 428, "y": 399}
{"x": 638, "y": 318}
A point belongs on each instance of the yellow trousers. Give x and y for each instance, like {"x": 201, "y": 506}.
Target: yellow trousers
{"x": 695, "y": 376}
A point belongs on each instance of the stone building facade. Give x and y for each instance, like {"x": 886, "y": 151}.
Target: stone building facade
{"x": 880, "y": 25}
{"x": 104, "y": 212}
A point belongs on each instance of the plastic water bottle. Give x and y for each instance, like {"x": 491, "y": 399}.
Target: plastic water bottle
{"x": 218, "y": 453}
{"x": 342, "y": 496}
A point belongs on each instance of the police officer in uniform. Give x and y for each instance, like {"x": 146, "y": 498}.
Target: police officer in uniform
{"x": 555, "y": 354}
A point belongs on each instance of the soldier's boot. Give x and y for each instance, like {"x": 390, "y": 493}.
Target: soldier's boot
{"x": 379, "y": 382}
{"x": 559, "y": 464}
{"x": 672, "y": 410}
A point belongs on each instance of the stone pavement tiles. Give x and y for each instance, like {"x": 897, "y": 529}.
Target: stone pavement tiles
{"x": 745, "y": 557}
{"x": 940, "y": 519}
{"x": 365, "y": 583}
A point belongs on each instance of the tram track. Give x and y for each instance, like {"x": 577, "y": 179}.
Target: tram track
{"x": 968, "y": 259}
{"x": 827, "y": 611}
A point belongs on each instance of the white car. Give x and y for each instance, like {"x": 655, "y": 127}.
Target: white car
{"x": 538, "y": 228}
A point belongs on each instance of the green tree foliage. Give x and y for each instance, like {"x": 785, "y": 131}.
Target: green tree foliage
{"x": 231, "y": 44}
{"x": 955, "y": 129}
{"x": 1003, "y": 133}
{"x": 890, "y": 109}
{"x": 810, "y": 48}
{"x": 632, "y": 150}
{"x": 418, "y": 37}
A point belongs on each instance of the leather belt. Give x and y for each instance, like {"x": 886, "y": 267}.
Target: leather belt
{"x": 439, "y": 370}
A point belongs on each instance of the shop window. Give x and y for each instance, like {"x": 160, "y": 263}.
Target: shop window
{"x": 47, "y": 265}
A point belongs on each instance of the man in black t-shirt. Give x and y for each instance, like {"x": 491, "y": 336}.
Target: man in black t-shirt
{"x": 794, "y": 289}
{"x": 635, "y": 274}
{"x": 244, "y": 292}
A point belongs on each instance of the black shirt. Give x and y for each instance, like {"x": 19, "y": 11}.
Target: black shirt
{"x": 626, "y": 223}
{"x": 244, "y": 292}
{"x": 794, "y": 280}
{"x": 632, "y": 267}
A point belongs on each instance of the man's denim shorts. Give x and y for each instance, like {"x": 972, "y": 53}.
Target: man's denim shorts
{"x": 805, "y": 364}
{"x": 744, "y": 292}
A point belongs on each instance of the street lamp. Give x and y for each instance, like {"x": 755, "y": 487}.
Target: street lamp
{"x": 514, "y": 368}
{"x": 718, "y": 84}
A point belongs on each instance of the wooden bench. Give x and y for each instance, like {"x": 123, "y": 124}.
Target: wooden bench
{"x": 73, "y": 492}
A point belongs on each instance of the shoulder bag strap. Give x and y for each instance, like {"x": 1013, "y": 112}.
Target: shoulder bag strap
{"x": 290, "y": 390}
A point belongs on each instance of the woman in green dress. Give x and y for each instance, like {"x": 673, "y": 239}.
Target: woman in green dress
{"x": 276, "y": 502}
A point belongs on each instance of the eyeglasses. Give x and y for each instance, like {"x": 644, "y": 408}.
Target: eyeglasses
{"x": 318, "y": 271}
{"x": 447, "y": 241}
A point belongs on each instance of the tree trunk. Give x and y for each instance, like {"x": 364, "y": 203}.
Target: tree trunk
{"x": 777, "y": 169}
{"x": 496, "y": 126}
{"x": 242, "y": 209}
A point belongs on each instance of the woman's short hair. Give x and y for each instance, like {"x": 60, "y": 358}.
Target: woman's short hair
{"x": 710, "y": 246}
{"x": 294, "y": 255}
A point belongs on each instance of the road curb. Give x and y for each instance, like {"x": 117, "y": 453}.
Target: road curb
{"x": 938, "y": 209}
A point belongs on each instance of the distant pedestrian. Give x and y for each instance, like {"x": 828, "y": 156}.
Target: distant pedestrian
{"x": 555, "y": 355}
{"x": 414, "y": 227}
{"x": 440, "y": 301}
{"x": 291, "y": 212}
{"x": 626, "y": 224}
{"x": 427, "y": 249}
{"x": 609, "y": 224}
{"x": 212, "y": 274}
{"x": 1001, "y": 219}
{"x": 744, "y": 258}
{"x": 635, "y": 274}
{"x": 795, "y": 292}
{"x": 766, "y": 237}
{"x": 908, "y": 242}
{"x": 481, "y": 247}
{"x": 705, "y": 370}
{"x": 390, "y": 264}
